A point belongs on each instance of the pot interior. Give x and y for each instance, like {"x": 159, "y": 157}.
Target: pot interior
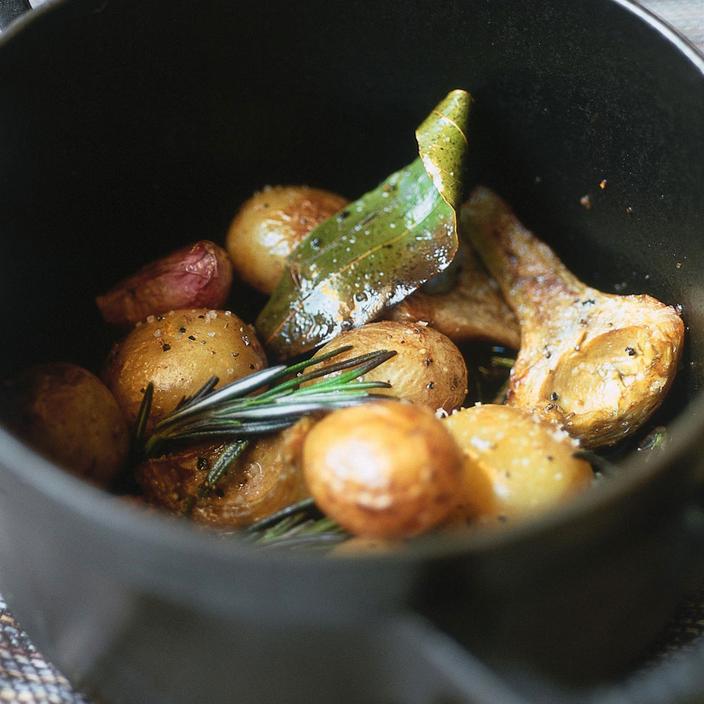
{"x": 132, "y": 131}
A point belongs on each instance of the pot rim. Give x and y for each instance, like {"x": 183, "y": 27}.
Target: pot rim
{"x": 155, "y": 531}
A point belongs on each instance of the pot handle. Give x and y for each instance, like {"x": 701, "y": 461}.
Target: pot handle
{"x": 426, "y": 666}
{"x": 423, "y": 665}
{"x": 10, "y": 10}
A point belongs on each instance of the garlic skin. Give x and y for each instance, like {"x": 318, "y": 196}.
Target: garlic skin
{"x": 597, "y": 363}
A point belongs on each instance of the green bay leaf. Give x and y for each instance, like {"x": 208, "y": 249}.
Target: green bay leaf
{"x": 380, "y": 248}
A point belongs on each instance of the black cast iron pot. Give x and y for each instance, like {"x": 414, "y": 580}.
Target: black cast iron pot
{"x": 128, "y": 128}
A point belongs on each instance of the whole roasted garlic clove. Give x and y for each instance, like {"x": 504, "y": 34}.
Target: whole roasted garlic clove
{"x": 464, "y": 303}
{"x": 598, "y": 363}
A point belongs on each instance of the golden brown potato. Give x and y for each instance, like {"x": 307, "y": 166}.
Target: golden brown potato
{"x": 265, "y": 478}
{"x": 384, "y": 469}
{"x": 269, "y": 226}
{"x": 472, "y": 308}
{"x": 197, "y": 276}
{"x": 515, "y": 464}
{"x": 70, "y": 416}
{"x": 178, "y": 352}
{"x": 598, "y": 363}
{"x": 428, "y": 368}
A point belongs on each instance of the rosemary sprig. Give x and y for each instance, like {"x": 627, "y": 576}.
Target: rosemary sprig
{"x": 223, "y": 463}
{"x": 299, "y": 525}
{"x": 656, "y": 440}
{"x": 232, "y": 413}
{"x": 143, "y": 415}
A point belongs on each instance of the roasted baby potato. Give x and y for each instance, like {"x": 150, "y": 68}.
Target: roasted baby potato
{"x": 383, "y": 470}
{"x": 269, "y": 226}
{"x": 265, "y": 478}
{"x": 428, "y": 368}
{"x": 197, "y": 276}
{"x": 515, "y": 464}
{"x": 178, "y": 352}
{"x": 464, "y": 303}
{"x": 69, "y": 415}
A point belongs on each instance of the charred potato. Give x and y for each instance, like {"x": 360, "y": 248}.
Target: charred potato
{"x": 269, "y": 226}
{"x": 178, "y": 352}
{"x": 383, "y": 470}
{"x": 71, "y": 417}
{"x": 197, "y": 276}
{"x": 515, "y": 464}
{"x": 428, "y": 369}
{"x": 264, "y": 479}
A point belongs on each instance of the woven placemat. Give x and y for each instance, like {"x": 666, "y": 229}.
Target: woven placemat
{"x": 25, "y": 676}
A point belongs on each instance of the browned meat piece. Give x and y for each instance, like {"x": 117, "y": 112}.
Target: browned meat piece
{"x": 598, "y": 363}
{"x": 472, "y": 308}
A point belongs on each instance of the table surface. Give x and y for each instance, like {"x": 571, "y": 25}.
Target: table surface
{"x": 25, "y": 676}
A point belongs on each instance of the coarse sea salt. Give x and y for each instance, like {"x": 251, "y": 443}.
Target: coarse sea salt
{"x": 480, "y": 443}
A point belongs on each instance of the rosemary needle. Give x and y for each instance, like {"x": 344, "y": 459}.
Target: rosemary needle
{"x": 231, "y": 412}
{"x": 235, "y": 413}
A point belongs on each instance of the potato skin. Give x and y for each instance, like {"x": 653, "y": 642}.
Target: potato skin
{"x": 70, "y": 416}
{"x": 270, "y": 225}
{"x": 428, "y": 369}
{"x": 265, "y": 478}
{"x": 515, "y": 464}
{"x": 178, "y": 352}
{"x": 199, "y": 275}
{"x": 383, "y": 470}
